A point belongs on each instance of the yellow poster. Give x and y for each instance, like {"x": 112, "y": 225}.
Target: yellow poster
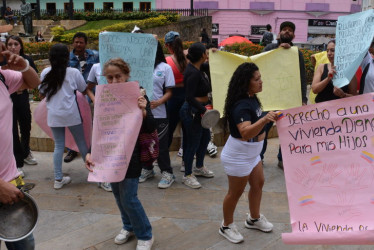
{"x": 280, "y": 74}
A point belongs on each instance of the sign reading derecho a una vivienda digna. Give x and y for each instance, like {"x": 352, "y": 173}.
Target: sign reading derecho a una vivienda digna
{"x": 138, "y": 50}
{"x": 354, "y": 34}
{"x": 328, "y": 156}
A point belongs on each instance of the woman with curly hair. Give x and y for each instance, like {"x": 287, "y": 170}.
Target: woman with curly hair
{"x": 241, "y": 154}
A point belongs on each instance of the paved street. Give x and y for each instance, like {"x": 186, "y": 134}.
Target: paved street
{"x": 82, "y": 216}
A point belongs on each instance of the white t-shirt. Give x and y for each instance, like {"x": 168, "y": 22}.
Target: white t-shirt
{"x": 369, "y": 79}
{"x": 62, "y": 107}
{"x": 95, "y": 73}
{"x": 161, "y": 74}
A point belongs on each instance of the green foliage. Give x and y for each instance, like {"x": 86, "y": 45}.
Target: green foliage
{"x": 119, "y": 27}
{"x": 95, "y": 25}
{"x": 254, "y": 49}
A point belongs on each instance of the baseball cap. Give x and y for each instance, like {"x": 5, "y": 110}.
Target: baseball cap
{"x": 170, "y": 36}
{"x": 288, "y": 24}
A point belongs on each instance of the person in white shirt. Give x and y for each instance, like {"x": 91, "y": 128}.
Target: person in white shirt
{"x": 59, "y": 83}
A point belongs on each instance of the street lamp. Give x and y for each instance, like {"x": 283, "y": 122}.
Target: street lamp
{"x": 191, "y": 13}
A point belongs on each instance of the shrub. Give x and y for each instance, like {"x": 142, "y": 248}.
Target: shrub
{"x": 119, "y": 27}
{"x": 37, "y": 50}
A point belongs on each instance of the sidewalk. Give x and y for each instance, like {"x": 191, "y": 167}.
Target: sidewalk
{"x": 83, "y": 216}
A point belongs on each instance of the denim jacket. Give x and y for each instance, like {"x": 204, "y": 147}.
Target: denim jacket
{"x": 92, "y": 58}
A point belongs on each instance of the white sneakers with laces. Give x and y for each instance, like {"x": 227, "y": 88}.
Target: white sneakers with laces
{"x": 145, "y": 244}
{"x": 166, "y": 180}
{"x": 203, "y": 171}
{"x": 123, "y": 236}
{"x": 231, "y": 233}
{"x": 59, "y": 184}
{"x": 191, "y": 181}
{"x": 30, "y": 160}
{"x": 261, "y": 223}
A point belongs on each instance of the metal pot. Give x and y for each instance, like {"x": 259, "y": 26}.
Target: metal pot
{"x": 19, "y": 220}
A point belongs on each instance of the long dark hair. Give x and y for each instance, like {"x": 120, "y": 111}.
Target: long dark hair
{"x": 238, "y": 88}
{"x": 19, "y": 40}
{"x": 160, "y": 57}
{"x": 59, "y": 59}
{"x": 177, "y": 48}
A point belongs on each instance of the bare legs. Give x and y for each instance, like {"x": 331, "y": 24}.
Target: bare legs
{"x": 236, "y": 188}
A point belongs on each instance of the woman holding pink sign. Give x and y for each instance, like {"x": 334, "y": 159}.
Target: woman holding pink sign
{"x": 134, "y": 219}
{"x": 59, "y": 83}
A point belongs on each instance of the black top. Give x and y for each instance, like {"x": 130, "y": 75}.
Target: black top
{"x": 135, "y": 167}
{"x": 248, "y": 109}
{"x": 31, "y": 62}
{"x": 196, "y": 84}
{"x": 301, "y": 66}
{"x": 204, "y": 37}
{"x": 327, "y": 94}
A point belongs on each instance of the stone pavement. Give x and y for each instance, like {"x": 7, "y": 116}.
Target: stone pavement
{"x": 83, "y": 216}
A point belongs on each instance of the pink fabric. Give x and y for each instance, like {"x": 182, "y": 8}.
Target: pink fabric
{"x": 8, "y": 168}
{"x": 40, "y": 117}
{"x": 117, "y": 122}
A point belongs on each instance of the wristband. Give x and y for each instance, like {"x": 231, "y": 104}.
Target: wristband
{"x": 26, "y": 68}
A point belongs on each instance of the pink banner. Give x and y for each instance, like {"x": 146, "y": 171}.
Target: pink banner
{"x": 40, "y": 117}
{"x": 328, "y": 157}
{"x": 117, "y": 122}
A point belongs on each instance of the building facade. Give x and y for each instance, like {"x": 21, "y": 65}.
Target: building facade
{"x": 249, "y": 17}
{"x": 88, "y": 5}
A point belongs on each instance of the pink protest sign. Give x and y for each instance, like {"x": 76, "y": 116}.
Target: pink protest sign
{"x": 40, "y": 117}
{"x": 328, "y": 156}
{"x": 117, "y": 122}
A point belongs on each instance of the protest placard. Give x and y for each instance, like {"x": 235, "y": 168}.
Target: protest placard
{"x": 116, "y": 126}
{"x": 40, "y": 116}
{"x": 328, "y": 157}
{"x": 280, "y": 74}
{"x": 138, "y": 50}
{"x": 354, "y": 34}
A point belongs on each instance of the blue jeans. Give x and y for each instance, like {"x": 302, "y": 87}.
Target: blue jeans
{"x": 196, "y": 140}
{"x": 173, "y": 107}
{"x": 59, "y": 136}
{"x": 133, "y": 215}
{"x": 27, "y": 243}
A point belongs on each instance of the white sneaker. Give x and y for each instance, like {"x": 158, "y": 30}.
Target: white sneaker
{"x": 59, "y": 184}
{"x": 191, "y": 181}
{"x": 180, "y": 152}
{"x": 146, "y": 174}
{"x": 123, "y": 236}
{"x": 21, "y": 173}
{"x": 182, "y": 167}
{"x": 204, "y": 171}
{"x": 212, "y": 149}
{"x": 231, "y": 233}
{"x": 166, "y": 180}
{"x": 106, "y": 186}
{"x": 145, "y": 244}
{"x": 30, "y": 160}
{"x": 261, "y": 223}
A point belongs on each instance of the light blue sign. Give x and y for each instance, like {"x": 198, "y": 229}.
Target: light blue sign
{"x": 138, "y": 50}
{"x": 354, "y": 34}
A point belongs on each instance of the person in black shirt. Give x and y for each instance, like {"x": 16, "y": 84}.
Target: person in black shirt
{"x": 197, "y": 87}
{"x": 21, "y": 111}
{"x": 322, "y": 81}
{"x": 241, "y": 154}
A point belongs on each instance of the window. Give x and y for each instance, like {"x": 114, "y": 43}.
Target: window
{"x": 145, "y": 6}
{"x": 89, "y": 6}
{"x": 108, "y": 6}
{"x": 66, "y": 7}
{"x": 34, "y": 6}
{"x": 51, "y": 8}
{"x": 128, "y": 6}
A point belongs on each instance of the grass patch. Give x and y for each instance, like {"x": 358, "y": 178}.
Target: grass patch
{"x": 96, "y": 25}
